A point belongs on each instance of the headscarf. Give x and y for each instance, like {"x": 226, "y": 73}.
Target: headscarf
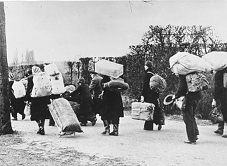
{"x": 35, "y": 69}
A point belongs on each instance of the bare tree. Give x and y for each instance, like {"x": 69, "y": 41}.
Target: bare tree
{"x": 5, "y": 122}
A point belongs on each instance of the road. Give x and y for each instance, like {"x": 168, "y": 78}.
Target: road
{"x": 133, "y": 146}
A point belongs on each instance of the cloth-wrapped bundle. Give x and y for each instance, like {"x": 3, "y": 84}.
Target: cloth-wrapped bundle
{"x": 184, "y": 63}
{"x": 42, "y": 85}
{"x": 64, "y": 116}
{"x": 157, "y": 83}
{"x": 218, "y": 59}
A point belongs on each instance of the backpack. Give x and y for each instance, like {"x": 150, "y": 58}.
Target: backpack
{"x": 157, "y": 83}
{"x": 196, "y": 82}
{"x": 18, "y": 89}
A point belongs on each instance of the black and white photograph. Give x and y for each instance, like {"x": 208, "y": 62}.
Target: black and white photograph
{"x": 113, "y": 83}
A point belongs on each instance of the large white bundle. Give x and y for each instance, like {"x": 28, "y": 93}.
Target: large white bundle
{"x": 18, "y": 89}
{"x": 218, "y": 59}
{"x": 184, "y": 63}
{"x": 109, "y": 68}
{"x": 42, "y": 85}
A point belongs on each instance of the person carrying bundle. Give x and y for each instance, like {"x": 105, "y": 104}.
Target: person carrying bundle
{"x": 38, "y": 93}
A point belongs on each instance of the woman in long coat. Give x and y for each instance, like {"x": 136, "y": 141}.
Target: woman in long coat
{"x": 111, "y": 108}
{"x": 82, "y": 95}
{"x": 39, "y": 105}
{"x": 151, "y": 96}
{"x": 18, "y": 105}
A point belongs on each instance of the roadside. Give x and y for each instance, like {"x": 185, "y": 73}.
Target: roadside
{"x": 133, "y": 146}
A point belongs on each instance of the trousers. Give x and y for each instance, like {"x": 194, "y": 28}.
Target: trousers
{"x": 189, "y": 119}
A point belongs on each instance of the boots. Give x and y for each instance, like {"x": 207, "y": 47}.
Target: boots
{"x": 115, "y": 130}
{"x": 107, "y": 127}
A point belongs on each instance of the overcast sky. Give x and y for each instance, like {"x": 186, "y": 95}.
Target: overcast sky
{"x": 63, "y": 30}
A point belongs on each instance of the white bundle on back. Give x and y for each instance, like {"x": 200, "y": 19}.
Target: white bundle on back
{"x": 56, "y": 79}
{"x": 218, "y": 59}
{"x": 184, "y": 63}
{"x": 42, "y": 85}
{"x": 18, "y": 89}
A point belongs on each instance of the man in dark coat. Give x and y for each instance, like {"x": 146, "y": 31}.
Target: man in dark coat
{"x": 150, "y": 96}
{"x": 95, "y": 89}
{"x": 82, "y": 96}
{"x": 191, "y": 99}
{"x": 220, "y": 98}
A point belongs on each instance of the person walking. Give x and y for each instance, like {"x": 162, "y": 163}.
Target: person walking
{"x": 39, "y": 105}
{"x": 111, "y": 107}
{"x": 151, "y": 96}
{"x": 191, "y": 101}
{"x": 95, "y": 89}
{"x": 82, "y": 96}
{"x": 18, "y": 104}
{"x": 220, "y": 98}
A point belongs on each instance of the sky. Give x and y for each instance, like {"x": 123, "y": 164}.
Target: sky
{"x": 68, "y": 30}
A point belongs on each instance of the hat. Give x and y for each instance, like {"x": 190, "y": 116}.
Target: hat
{"x": 149, "y": 64}
{"x": 168, "y": 99}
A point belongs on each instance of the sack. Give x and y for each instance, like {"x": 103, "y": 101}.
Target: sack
{"x": 42, "y": 85}
{"x": 196, "y": 82}
{"x": 109, "y": 68}
{"x": 18, "y": 89}
{"x": 57, "y": 84}
{"x": 27, "y": 109}
{"x": 157, "y": 83}
{"x": 51, "y": 69}
{"x": 218, "y": 59}
{"x": 216, "y": 115}
{"x": 64, "y": 116}
{"x": 142, "y": 111}
{"x": 183, "y": 63}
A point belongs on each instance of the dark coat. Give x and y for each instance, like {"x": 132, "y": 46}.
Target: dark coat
{"x": 111, "y": 107}
{"x": 219, "y": 90}
{"x": 183, "y": 90}
{"x": 39, "y": 105}
{"x": 17, "y": 104}
{"x": 151, "y": 96}
{"x": 82, "y": 96}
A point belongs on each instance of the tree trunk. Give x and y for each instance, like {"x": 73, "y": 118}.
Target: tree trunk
{"x": 5, "y": 121}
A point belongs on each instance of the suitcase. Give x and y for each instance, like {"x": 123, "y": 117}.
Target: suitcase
{"x": 142, "y": 111}
{"x": 64, "y": 117}
{"x": 109, "y": 68}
